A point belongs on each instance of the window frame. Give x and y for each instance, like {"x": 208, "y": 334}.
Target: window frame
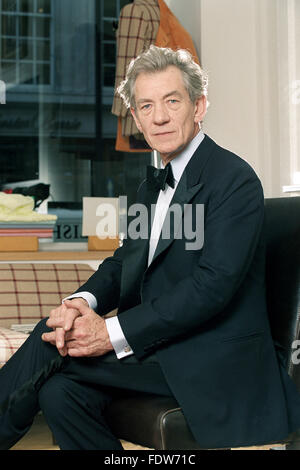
{"x": 31, "y": 87}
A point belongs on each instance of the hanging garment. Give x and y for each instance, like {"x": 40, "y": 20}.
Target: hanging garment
{"x": 142, "y": 23}
{"x": 137, "y": 30}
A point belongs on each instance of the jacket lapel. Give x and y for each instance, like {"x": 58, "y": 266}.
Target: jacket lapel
{"x": 188, "y": 186}
{"x": 136, "y": 257}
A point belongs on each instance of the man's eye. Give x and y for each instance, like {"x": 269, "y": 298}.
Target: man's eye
{"x": 145, "y": 107}
{"x": 173, "y": 102}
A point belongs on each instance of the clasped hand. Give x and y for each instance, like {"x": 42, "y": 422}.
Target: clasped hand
{"x": 78, "y": 331}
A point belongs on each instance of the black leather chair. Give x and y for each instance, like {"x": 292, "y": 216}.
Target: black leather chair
{"x": 157, "y": 422}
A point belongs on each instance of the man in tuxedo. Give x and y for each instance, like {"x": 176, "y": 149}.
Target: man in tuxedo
{"x": 191, "y": 321}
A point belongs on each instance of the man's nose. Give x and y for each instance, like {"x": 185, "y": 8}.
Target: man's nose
{"x": 161, "y": 114}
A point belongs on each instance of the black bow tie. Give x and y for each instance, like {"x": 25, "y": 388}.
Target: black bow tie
{"x": 157, "y": 179}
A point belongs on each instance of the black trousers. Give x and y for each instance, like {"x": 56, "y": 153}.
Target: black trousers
{"x": 71, "y": 392}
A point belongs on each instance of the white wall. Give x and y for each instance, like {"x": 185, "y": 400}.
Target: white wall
{"x": 249, "y": 49}
{"x": 188, "y": 13}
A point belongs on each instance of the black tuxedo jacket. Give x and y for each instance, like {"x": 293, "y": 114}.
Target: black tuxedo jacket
{"x": 203, "y": 312}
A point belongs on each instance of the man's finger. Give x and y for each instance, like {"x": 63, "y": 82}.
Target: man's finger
{"x": 78, "y": 304}
{"x": 60, "y": 341}
{"x": 60, "y": 337}
{"x": 51, "y": 338}
{"x": 63, "y": 317}
{"x": 70, "y": 316}
{"x": 57, "y": 322}
{"x": 56, "y": 317}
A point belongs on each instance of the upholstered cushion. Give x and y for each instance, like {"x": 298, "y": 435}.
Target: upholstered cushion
{"x": 29, "y": 291}
{"x": 10, "y": 341}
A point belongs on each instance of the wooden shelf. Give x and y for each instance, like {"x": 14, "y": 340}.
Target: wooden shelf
{"x": 54, "y": 255}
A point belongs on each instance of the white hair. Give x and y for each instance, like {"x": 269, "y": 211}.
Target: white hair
{"x": 157, "y": 59}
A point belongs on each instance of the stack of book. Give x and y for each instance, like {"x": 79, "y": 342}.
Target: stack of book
{"x": 24, "y": 235}
{"x": 27, "y": 229}
{"x": 20, "y": 225}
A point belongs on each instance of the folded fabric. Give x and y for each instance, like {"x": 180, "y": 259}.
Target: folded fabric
{"x": 20, "y": 208}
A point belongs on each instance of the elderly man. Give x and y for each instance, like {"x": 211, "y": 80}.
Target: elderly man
{"x": 192, "y": 320}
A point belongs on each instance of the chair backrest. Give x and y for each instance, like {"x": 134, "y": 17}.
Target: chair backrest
{"x": 283, "y": 276}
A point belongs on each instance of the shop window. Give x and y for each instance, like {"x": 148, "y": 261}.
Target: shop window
{"x": 26, "y": 36}
{"x": 58, "y": 60}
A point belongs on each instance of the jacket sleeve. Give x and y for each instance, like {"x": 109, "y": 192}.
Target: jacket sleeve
{"x": 104, "y": 284}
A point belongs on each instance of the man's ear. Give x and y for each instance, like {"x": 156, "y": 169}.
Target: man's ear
{"x": 200, "y": 109}
{"x": 136, "y": 119}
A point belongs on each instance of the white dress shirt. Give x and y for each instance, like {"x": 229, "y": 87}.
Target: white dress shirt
{"x": 117, "y": 338}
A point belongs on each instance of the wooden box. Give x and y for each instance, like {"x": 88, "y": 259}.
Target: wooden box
{"x": 19, "y": 243}
{"x": 102, "y": 244}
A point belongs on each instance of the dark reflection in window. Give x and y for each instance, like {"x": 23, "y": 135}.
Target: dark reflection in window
{"x": 110, "y": 8}
{"x": 8, "y": 48}
{"x": 109, "y": 76}
{"x": 42, "y": 27}
{"x": 26, "y": 49}
{"x": 43, "y": 50}
{"x": 9, "y": 5}
{"x": 9, "y": 25}
{"x": 109, "y": 31}
{"x": 43, "y": 74}
{"x": 44, "y": 6}
{"x": 26, "y": 73}
{"x": 26, "y": 6}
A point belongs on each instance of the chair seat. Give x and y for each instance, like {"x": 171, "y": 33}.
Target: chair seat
{"x": 152, "y": 421}
{"x": 157, "y": 422}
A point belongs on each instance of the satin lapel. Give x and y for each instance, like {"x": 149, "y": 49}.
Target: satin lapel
{"x": 172, "y": 223}
{"x": 136, "y": 258}
{"x": 188, "y": 186}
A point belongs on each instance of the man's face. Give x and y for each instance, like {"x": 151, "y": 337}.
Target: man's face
{"x": 164, "y": 112}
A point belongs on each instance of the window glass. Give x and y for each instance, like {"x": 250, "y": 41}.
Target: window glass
{"x": 42, "y": 27}
{"x": 26, "y": 6}
{"x": 26, "y": 49}
{"x": 109, "y": 31}
{"x": 43, "y": 50}
{"x": 8, "y": 49}
{"x": 43, "y": 6}
{"x": 56, "y": 126}
{"x": 8, "y": 70}
{"x": 9, "y": 5}
{"x": 26, "y": 72}
{"x": 110, "y": 8}
{"x": 9, "y": 25}
{"x": 25, "y": 26}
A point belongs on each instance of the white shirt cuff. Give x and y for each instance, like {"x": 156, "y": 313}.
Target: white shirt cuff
{"x": 117, "y": 338}
{"x": 90, "y": 298}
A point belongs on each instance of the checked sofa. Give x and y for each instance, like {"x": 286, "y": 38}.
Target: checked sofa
{"x": 27, "y": 294}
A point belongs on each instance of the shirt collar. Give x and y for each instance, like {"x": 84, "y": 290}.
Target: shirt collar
{"x": 180, "y": 162}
